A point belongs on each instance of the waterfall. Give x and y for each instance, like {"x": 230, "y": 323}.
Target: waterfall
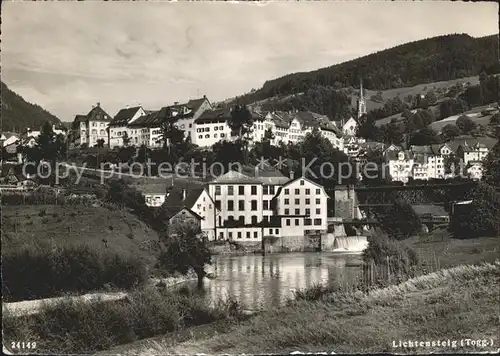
{"x": 350, "y": 243}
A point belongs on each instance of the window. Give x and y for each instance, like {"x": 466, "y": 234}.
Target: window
{"x": 217, "y": 204}
{"x": 248, "y": 234}
{"x": 297, "y": 211}
{"x": 266, "y": 205}
{"x": 318, "y": 191}
{"x": 253, "y": 190}
{"x": 255, "y": 234}
{"x": 317, "y": 221}
{"x": 215, "y": 128}
{"x": 308, "y": 201}
{"x": 217, "y": 190}
{"x": 254, "y": 205}
{"x": 230, "y": 205}
{"x": 271, "y": 189}
{"x": 297, "y": 222}
{"x": 241, "y": 190}
{"x": 222, "y": 135}
{"x": 287, "y": 191}
{"x": 215, "y": 135}
{"x": 287, "y": 211}
{"x": 230, "y": 190}
{"x": 239, "y": 234}
{"x": 287, "y": 201}
{"x": 308, "y": 212}
{"x": 287, "y": 222}
{"x": 297, "y": 191}
{"x": 221, "y": 127}
{"x": 297, "y": 201}
{"x": 265, "y": 189}
{"x": 318, "y": 201}
{"x": 241, "y": 219}
{"x": 301, "y": 182}
{"x": 254, "y": 219}
{"x": 276, "y": 231}
{"x": 270, "y": 231}
{"x": 230, "y": 234}
{"x": 200, "y": 136}
{"x": 307, "y": 222}
{"x": 221, "y": 236}
{"x": 308, "y": 191}
{"x": 241, "y": 205}
{"x": 207, "y": 136}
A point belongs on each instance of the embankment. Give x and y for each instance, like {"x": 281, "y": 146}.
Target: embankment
{"x": 454, "y": 304}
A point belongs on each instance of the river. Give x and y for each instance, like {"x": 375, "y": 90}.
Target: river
{"x": 259, "y": 282}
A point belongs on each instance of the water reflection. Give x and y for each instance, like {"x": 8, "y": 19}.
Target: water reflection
{"x": 264, "y": 281}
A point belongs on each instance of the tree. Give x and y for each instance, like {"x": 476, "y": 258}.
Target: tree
{"x": 125, "y": 139}
{"x": 465, "y": 124}
{"x": 491, "y": 173}
{"x": 481, "y": 217}
{"x": 400, "y": 221}
{"x": 100, "y": 145}
{"x": 185, "y": 250}
{"x": 172, "y": 135}
{"x": 450, "y": 131}
{"x": 240, "y": 122}
{"x": 495, "y": 119}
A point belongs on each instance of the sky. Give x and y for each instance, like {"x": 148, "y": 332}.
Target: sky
{"x": 67, "y": 56}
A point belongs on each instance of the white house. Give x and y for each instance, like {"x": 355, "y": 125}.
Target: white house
{"x": 9, "y": 138}
{"x": 118, "y": 127}
{"x": 88, "y": 129}
{"x": 400, "y": 165}
{"x": 302, "y": 198}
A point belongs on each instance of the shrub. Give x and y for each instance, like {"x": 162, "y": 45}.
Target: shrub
{"x": 38, "y": 271}
{"x": 81, "y": 327}
{"x": 387, "y": 260}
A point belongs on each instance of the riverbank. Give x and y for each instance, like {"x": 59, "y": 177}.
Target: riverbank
{"x": 435, "y": 306}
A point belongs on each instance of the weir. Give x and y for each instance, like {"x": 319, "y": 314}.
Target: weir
{"x": 350, "y": 243}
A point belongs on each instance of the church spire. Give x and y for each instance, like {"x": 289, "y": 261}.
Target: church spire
{"x": 361, "y": 100}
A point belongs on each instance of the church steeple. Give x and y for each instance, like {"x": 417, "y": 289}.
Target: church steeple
{"x": 361, "y": 100}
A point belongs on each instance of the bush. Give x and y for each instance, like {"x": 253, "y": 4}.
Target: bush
{"x": 38, "y": 271}
{"x": 79, "y": 327}
{"x": 387, "y": 261}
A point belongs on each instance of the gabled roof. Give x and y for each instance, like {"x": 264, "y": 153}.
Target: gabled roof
{"x": 152, "y": 188}
{"x": 296, "y": 179}
{"x": 267, "y": 176}
{"x": 192, "y": 197}
{"x": 9, "y": 134}
{"x": 124, "y": 116}
{"x": 98, "y": 114}
{"x": 234, "y": 177}
{"x": 221, "y": 114}
{"x": 153, "y": 118}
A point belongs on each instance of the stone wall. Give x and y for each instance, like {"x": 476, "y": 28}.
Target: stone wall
{"x": 292, "y": 244}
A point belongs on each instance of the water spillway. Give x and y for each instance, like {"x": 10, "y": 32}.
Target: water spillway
{"x": 350, "y": 243}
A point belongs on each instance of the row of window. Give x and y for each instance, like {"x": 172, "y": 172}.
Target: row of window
{"x": 297, "y": 201}
{"x": 307, "y": 211}
{"x": 208, "y": 136}
{"x": 241, "y": 205}
{"x": 94, "y": 124}
{"x": 207, "y": 129}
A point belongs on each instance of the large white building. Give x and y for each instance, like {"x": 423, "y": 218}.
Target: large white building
{"x": 88, "y": 129}
{"x": 118, "y": 127}
{"x": 247, "y": 207}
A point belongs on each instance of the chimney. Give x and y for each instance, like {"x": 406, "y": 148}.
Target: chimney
{"x": 204, "y": 96}
{"x": 127, "y": 107}
{"x": 256, "y": 171}
{"x": 176, "y": 103}
{"x": 292, "y": 175}
{"x": 98, "y": 104}
{"x": 183, "y": 194}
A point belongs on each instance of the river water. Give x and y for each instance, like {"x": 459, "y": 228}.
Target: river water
{"x": 259, "y": 282}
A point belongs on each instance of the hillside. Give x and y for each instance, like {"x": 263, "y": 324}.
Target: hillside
{"x": 18, "y": 114}
{"x": 63, "y": 225}
{"x": 441, "y": 58}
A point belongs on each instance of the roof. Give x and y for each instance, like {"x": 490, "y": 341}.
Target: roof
{"x": 124, "y": 116}
{"x": 195, "y": 104}
{"x": 234, "y": 177}
{"x": 267, "y": 176}
{"x": 98, "y": 114}
{"x": 192, "y": 197}
{"x": 429, "y": 209}
{"x": 153, "y": 118}
{"x": 9, "y": 134}
{"x": 293, "y": 181}
{"x": 152, "y": 188}
{"x": 221, "y": 114}
{"x": 394, "y": 155}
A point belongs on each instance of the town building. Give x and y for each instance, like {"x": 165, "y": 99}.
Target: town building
{"x": 87, "y": 129}
{"x": 118, "y": 127}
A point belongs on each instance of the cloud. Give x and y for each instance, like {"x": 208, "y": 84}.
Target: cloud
{"x": 66, "y": 56}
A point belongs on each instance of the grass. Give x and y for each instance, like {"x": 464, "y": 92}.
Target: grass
{"x": 79, "y": 327}
{"x": 62, "y": 226}
{"x": 440, "y": 250}
{"x": 430, "y": 307}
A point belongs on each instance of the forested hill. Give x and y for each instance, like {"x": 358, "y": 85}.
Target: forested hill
{"x": 18, "y": 114}
{"x": 434, "y": 59}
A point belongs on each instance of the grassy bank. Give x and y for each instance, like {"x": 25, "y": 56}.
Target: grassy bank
{"x": 456, "y": 303}
{"x": 78, "y": 327}
{"x": 51, "y": 250}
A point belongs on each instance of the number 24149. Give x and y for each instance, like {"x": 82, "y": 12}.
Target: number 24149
{"x": 22, "y": 345}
